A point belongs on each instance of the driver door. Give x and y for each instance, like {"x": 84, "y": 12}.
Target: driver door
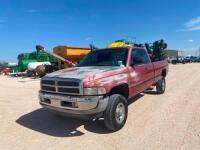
{"x": 141, "y": 71}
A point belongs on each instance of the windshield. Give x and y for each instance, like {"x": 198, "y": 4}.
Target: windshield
{"x": 105, "y": 57}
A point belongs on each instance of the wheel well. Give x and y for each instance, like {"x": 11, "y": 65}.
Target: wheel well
{"x": 164, "y": 73}
{"x": 120, "y": 89}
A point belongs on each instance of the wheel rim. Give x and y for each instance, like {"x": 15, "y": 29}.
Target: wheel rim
{"x": 120, "y": 113}
{"x": 163, "y": 85}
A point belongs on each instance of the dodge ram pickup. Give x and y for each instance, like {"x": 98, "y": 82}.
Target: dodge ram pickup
{"x": 102, "y": 83}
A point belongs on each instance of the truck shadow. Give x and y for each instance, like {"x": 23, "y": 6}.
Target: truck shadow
{"x": 51, "y": 124}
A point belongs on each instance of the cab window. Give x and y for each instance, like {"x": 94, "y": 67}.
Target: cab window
{"x": 139, "y": 56}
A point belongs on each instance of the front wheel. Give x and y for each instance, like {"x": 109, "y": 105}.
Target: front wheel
{"x": 116, "y": 112}
{"x": 161, "y": 86}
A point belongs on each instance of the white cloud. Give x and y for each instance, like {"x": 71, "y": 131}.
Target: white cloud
{"x": 192, "y": 25}
{"x": 193, "y": 22}
{"x": 196, "y": 28}
{"x": 31, "y": 11}
{"x": 190, "y": 41}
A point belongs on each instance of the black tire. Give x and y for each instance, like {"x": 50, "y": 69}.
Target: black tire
{"x": 161, "y": 86}
{"x": 174, "y": 62}
{"x": 110, "y": 118}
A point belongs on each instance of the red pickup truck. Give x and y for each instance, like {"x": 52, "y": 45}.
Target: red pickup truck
{"x": 102, "y": 83}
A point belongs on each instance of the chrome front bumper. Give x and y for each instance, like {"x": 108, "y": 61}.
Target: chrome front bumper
{"x": 74, "y": 105}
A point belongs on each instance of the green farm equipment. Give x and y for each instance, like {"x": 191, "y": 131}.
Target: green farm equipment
{"x": 38, "y": 56}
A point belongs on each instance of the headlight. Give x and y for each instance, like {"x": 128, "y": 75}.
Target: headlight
{"x": 94, "y": 91}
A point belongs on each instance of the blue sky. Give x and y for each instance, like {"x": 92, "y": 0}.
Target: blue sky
{"x": 25, "y": 23}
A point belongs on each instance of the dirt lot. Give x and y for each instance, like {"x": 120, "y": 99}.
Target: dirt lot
{"x": 169, "y": 121}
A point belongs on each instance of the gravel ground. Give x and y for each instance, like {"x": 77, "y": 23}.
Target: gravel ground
{"x": 169, "y": 121}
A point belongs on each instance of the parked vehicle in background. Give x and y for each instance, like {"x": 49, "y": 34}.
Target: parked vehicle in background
{"x": 102, "y": 84}
{"x": 178, "y": 60}
{"x": 3, "y": 65}
{"x": 194, "y": 59}
{"x": 175, "y": 56}
{"x": 187, "y": 59}
{"x": 5, "y": 71}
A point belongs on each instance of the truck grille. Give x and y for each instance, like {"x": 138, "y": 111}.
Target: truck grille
{"x": 61, "y": 86}
{"x": 48, "y": 88}
{"x": 67, "y": 83}
{"x": 49, "y": 82}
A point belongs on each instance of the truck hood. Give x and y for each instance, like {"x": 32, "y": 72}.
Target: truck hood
{"x": 81, "y": 73}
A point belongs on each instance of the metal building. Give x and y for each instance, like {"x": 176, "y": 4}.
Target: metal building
{"x": 172, "y": 54}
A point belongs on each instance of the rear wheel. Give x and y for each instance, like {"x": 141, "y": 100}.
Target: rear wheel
{"x": 161, "y": 86}
{"x": 116, "y": 112}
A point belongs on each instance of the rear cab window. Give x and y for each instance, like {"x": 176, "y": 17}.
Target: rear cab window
{"x": 139, "y": 56}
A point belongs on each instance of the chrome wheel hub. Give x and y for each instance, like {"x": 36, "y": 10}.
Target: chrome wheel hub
{"x": 120, "y": 113}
